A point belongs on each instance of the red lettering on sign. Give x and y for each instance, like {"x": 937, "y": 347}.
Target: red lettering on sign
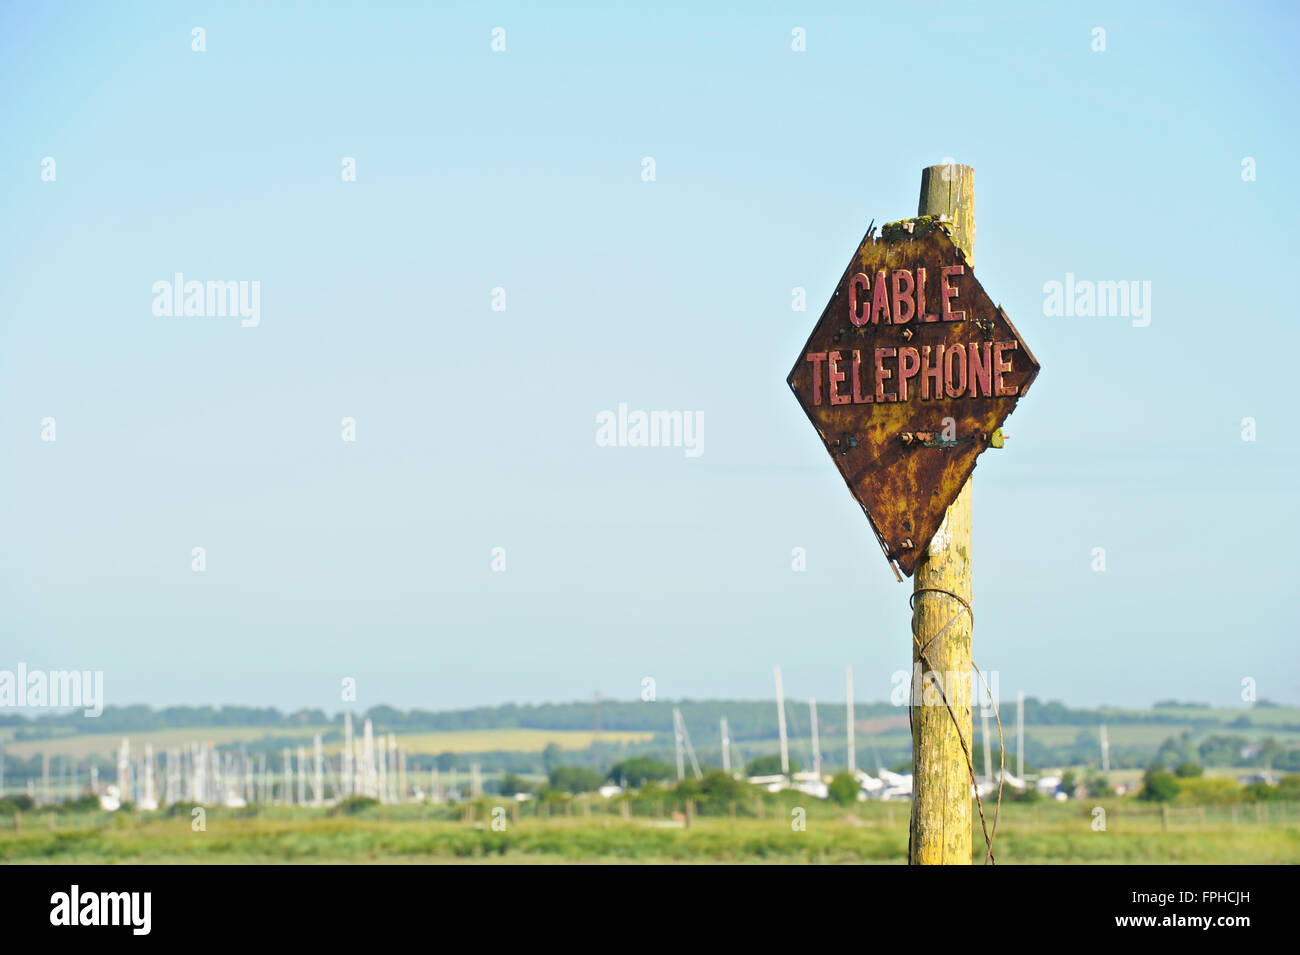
{"x": 954, "y": 360}
{"x": 817, "y": 357}
{"x": 931, "y": 377}
{"x": 880, "y": 298}
{"x": 949, "y": 292}
{"x": 972, "y": 370}
{"x": 1002, "y": 367}
{"x": 903, "y": 296}
{"x": 981, "y": 369}
{"x": 920, "y": 299}
{"x": 909, "y": 363}
{"x": 835, "y": 376}
{"x": 858, "y": 398}
{"x": 882, "y": 375}
{"x": 856, "y": 305}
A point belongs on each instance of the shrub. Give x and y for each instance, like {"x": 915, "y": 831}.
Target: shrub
{"x": 844, "y": 788}
{"x": 1098, "y": 787}
{"x": 19, "y": 802}
{"x": 1213, "y": 791}
{"x": 355, "y": 804}
{"x": 639, "y": 770}
{"x": 1158, "y": 786}
{"x": 768, "y": 766}
{"x": 575, "y": 779}
{"x": 86, "y": 802}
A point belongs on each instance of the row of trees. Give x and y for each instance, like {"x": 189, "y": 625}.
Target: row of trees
{"x": 1228, "y": 750}
{"x": 1187, "y": 783}
{"x": 632, "y": 773}
{"x": 755, "y": 719}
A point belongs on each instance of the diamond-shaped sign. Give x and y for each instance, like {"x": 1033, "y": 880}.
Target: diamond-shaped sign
{"x": 908, "y": 376}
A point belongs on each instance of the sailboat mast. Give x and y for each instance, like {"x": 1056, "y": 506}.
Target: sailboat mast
{"x": 677, "y": 735}
{"x": 1020, "y": 734}
{"x": 726, "y": 747}
{"x": 780, "y": 722}
{"x": 848, "y": 723}
{"x": 816, "y": 745}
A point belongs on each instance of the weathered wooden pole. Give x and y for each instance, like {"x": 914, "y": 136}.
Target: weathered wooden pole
{"x": 941, "y": 786}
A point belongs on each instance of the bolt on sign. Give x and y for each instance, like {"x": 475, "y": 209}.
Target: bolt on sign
{"x": 907, "y": 377}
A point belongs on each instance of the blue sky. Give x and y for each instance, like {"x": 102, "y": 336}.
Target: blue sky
{"x": 522, "y": 170}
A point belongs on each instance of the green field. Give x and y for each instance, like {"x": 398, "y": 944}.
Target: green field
{"x": 1138, "y": 734}
{"x": 506, "y": 740}
{"x": 872, "y": 833}
{"x": 81, "y": 745}
{"x": 1259, "y": 716}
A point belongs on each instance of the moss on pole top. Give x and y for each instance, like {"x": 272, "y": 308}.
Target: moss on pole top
{"x": 914, "y": 228}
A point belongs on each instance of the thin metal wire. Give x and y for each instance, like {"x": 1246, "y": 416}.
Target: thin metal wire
{"x": 989, "y": 837}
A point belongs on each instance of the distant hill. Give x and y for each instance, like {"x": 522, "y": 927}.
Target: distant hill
{"x": 747, "y": 719}
{"x": 512, "y": 737}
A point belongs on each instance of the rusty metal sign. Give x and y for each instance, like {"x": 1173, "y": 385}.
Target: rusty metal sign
{"x": 908, "y": 376}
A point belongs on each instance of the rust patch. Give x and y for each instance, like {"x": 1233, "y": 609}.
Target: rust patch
{"x": 907, "y": 377}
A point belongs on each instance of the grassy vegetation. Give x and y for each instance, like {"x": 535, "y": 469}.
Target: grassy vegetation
{"x": 506, "y": 740}
{"x": 871, "y": 833}
{"x": 1147, "y": 735}
{"x": 81, "y": 745}
{"x": 1137, "y": 734}
{"x": 1265, "y": 715}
